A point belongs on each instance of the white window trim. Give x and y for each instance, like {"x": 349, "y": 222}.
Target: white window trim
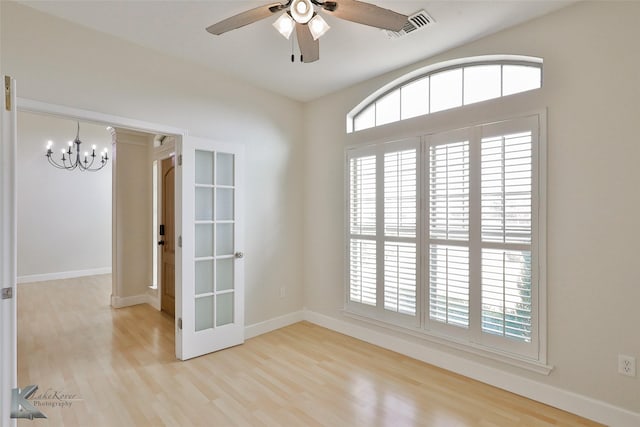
{"x": 448, "y": 341}
{"x": 539, "y": 364}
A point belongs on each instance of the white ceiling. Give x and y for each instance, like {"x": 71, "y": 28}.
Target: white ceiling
{"x": 349, "y": 52}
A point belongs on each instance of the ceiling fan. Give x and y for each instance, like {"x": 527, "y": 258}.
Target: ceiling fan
{"x": 301, "y": 15}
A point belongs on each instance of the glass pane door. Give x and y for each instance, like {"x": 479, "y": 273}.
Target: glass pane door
{"x": 214, "y": 239}
{"x": 210, "y": 279}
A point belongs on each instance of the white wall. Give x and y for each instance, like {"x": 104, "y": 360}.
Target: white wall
{"x": 62, "y": 63}
{"x": 64, "y": 217}
{"x": 133, "y": 218}
{"x": 592, "y": 91}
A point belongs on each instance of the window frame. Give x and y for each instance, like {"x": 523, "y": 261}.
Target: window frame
{"x": 468, "y": 340}
{"x": 426, "y": 72}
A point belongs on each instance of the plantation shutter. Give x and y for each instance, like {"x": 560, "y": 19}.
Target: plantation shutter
{"x": 506, "y": 221}
{"x": 383, "y": 231}
{"x": 448, "y": 243}
{"x": 443, "y": 235}
{"x": 400, "y": 231}
{"x": 508, "y": 206}
{"x": 362, "y": 230}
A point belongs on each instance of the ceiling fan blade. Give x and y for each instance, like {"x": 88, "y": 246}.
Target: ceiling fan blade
{"x": 366, "y": 13}
{"x": 309, "y": 48}
{"x": 245, "y": 18}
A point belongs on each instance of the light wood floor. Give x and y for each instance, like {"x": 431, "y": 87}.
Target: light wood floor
{"x": 121, "y": 365}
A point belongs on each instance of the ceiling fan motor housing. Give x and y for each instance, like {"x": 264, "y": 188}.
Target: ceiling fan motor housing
{"x": 302, "y": 11}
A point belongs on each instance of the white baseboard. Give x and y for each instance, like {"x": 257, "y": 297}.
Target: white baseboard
{"x": 153, "y": 298}
{"x": 120, "y": 302}
{"x": 256, "y": 329}
{"x": 148, "y": 298}
{"x": 568, "y": 401}
{"x": 62, "y": 275}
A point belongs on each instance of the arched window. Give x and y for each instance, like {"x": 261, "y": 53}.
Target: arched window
{"x": 446, "y": 223}
{"x": 444, "y": 86}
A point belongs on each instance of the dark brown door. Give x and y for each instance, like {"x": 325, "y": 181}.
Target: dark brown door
{"x": 168, "y": 249}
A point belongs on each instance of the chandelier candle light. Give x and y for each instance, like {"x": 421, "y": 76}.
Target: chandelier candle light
{"x": 71, "y": 159}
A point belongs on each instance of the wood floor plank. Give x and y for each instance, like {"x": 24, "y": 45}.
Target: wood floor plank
{"x": 121, "y": 364}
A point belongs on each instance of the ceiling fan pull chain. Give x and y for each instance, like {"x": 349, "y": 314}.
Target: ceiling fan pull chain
{"x": 293, "y": 56}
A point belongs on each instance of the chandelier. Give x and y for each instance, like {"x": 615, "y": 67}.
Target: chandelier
{"x": 72, "y": 159}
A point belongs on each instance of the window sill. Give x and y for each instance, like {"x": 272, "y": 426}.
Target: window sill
{"x": 496, "y": 355}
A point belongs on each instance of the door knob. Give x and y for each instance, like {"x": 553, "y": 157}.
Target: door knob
{"x": 161, "y": 242}
{"x": 239, "y": 254}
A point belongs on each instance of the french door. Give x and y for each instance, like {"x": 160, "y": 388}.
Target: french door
{"x": 210, "y": 262}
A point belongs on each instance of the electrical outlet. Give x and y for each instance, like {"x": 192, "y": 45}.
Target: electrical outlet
{"x": 283, "y": 292}
{"x": 626, "y": 365}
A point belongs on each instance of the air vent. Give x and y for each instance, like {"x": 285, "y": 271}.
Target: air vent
{"x": 417, "y": 21}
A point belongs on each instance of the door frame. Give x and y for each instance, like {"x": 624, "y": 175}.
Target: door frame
{"x": 8, "y": 266}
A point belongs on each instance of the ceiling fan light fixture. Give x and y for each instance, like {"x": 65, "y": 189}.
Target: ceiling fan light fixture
{"x": 302, "y": 11}
{"x": 285, "y": 25}
{"x": 318, "y": 27}
{"x": 308, "y": 26}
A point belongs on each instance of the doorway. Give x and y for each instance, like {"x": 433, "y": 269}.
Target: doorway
{"x": 8, "y": 370}
{"x": 214, "y": 308}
